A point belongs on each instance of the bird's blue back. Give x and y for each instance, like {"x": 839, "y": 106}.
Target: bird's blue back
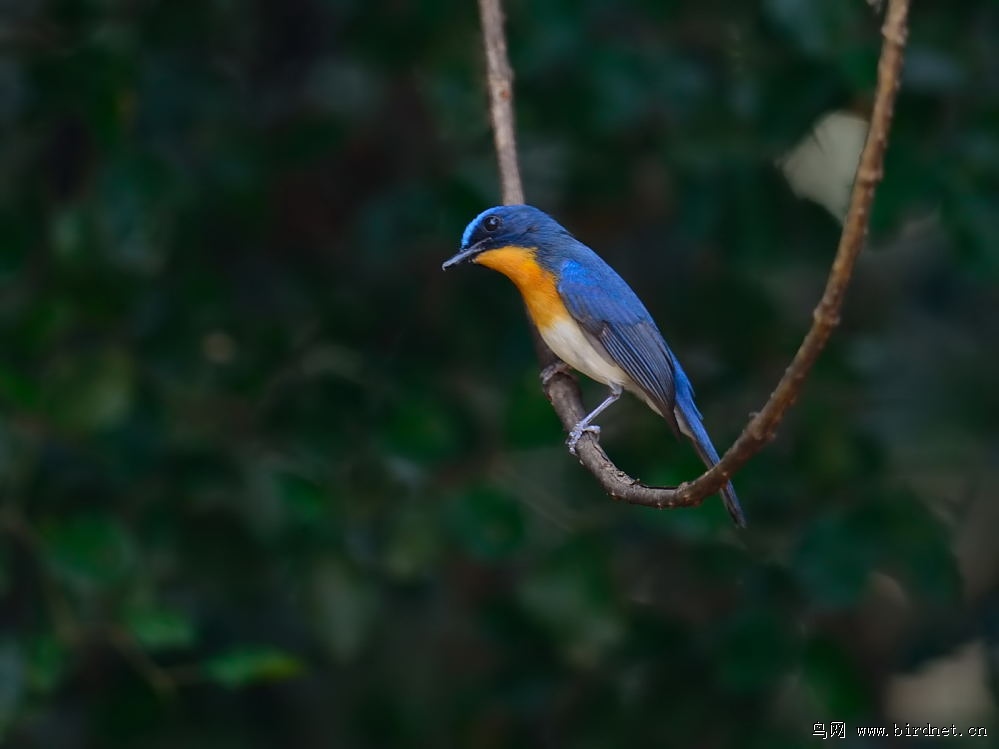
{"x": 608, "y": 309}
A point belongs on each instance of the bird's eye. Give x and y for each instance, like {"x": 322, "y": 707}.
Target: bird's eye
{"x": 492, "y": 223}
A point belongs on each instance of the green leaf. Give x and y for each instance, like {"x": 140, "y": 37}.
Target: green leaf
{"x": 47, "y": 660}
{"x": 88, "y": 551}
{"x": 161, "y": 629}
{"x": 306, "y": 501}
{"x": 249, "y": 665}
{"x": 20, "y": 390}
{"x": 70, "y": 230}
{"x": 93, "y": 390}
{"x": 838, "y": 689}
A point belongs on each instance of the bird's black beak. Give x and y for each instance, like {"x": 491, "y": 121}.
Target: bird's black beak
{"x": 466, "y": 254}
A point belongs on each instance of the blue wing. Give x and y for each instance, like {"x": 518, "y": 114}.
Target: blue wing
{"x": 608, "y": 310}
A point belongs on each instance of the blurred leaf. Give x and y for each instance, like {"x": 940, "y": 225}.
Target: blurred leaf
{"x": 161, "y": 629}
{"x": 305, "y": 500}
{"x": 132, "y": 214}
{"x": 251, "y": 665}
{"x": 88, "y": 551}
{"x": 18, "y": 389}
{"x": 572, "y": 597}
{"x": 932, "y": 70}
{"x": 93, "y": 390}
{"x": 819, "y": 26}
{"x": 70, "y": 233}
{"x": 47, "y": 661}
{"x": 917, "y": 548}
{"x": 837, "y": 687}
{"x": 345, "y": 607}
{"x": 413, "y": 547}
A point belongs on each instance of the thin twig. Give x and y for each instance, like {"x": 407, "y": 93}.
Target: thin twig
{"x": 158, "y": 678}
{"x": 562, "y": 389}
{"x": 500, "y": 76}
{"x": 67, "y": 629}
{"x": 64, "y": 623}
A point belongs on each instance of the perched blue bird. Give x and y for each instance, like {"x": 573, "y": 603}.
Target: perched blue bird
{"x": 590, "y": 318}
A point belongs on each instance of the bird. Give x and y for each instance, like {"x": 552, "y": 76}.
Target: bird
{"x": 591, "y": 319}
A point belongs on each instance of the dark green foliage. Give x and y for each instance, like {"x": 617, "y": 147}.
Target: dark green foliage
{"x": 270, "y": 479}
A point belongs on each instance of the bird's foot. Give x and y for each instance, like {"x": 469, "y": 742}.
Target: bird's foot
{"x": 559, "y": 367}
{"x": 577, "y": 433}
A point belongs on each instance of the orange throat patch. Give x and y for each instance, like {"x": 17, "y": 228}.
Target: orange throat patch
{"x": 536, "y": 284}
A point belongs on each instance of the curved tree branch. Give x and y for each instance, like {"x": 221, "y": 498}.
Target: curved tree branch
{"x": 562, "y": 389}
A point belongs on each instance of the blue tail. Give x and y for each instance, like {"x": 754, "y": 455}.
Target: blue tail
{"x": 689, "y": 420}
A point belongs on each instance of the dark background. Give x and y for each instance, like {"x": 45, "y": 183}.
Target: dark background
{"x": 271, "y": 479}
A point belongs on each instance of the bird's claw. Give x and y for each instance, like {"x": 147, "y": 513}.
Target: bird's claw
{"x": 559, "y": 367}
{"x": 577, "y": 433}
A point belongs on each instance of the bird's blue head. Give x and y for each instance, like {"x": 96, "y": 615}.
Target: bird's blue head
{"x": 521, "y": 226}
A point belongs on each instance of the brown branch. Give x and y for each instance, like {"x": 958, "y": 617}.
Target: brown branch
{"x": 500, "y": 76}
{"x": 562, "y": 389}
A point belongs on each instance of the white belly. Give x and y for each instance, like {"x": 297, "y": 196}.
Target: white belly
{"x": 571, "y": 345}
